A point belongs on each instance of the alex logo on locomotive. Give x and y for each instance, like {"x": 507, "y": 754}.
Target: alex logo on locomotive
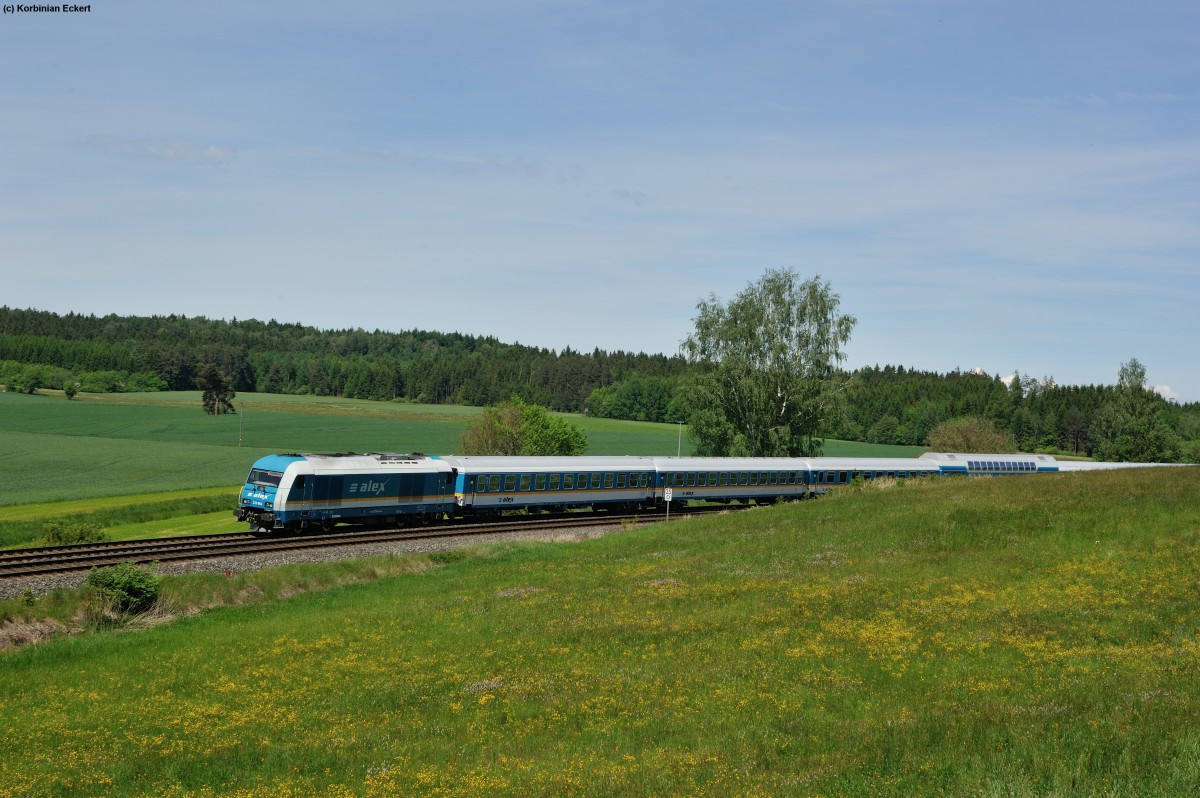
{"x": 368, "y": 488}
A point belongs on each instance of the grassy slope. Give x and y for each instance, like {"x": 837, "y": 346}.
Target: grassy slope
{"x": 1023, "y": 636}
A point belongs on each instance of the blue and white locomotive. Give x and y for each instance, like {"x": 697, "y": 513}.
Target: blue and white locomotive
{"x": 317, "y": 491}
{"x": 303, "y": 491}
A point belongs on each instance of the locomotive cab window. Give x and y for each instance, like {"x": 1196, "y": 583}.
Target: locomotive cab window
{"x": 259, "y": 476}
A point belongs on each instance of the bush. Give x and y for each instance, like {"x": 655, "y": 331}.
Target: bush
{"x": 65, "y": 533}
{"x": 971, "y": 434}
{"x": 126, "y": 588}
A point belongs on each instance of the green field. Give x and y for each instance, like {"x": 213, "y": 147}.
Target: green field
{"x": 1024, "y": 636}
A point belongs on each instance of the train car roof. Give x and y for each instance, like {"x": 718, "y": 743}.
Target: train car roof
{"x": 959, "y": 458}
{"x": 534, "y": 464}
{"x": 1091, "y": 465}
{"x": 730, "y": 463}
{"x": 871, "y": 464}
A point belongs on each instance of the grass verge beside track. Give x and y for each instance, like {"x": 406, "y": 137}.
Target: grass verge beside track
{"x": 1013, "y": 636}
{"x": 187, "y": 512}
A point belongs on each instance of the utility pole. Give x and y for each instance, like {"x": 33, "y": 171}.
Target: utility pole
{"x": 679, "y": 442}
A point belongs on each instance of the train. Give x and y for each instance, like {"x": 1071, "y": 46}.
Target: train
{"x": 308, "y": 492}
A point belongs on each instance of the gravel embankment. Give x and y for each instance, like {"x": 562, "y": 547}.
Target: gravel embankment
{"x": 40, "y": 585}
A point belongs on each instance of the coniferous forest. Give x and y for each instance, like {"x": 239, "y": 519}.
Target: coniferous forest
{"x": 889, "y": 404}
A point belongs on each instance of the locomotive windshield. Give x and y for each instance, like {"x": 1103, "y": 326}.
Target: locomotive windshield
{"x": 259, "y": 476}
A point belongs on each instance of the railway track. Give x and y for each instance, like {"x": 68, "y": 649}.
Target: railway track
{"x": 18, "y": 563}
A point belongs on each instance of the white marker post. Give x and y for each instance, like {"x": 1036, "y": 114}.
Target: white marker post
{"x": 667, "y": 499}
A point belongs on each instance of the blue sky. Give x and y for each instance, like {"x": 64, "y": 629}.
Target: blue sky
{"x": 999, "y": 185}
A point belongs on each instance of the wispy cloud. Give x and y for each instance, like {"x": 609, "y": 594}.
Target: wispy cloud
{"x": 184, "y": 152}
{"x": 1106, "y": 99}
{"x": 1166, "y": 392}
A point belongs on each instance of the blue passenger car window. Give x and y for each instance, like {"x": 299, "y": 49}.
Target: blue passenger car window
{"x": 568, "y": 481}
{"x": 608, "y": 480}
{"x": 620, "y": 480}
{"x": 494, "y": 483}
{"x": 539, "y": 482}
{"x": 525, "y": 480}
{"x": 510, "y": 482}
{"x": 554, "y": 479}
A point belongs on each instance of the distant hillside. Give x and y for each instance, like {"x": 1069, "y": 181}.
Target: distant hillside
{"x": 888, "y": 404}
{"x": 164, "y": 352}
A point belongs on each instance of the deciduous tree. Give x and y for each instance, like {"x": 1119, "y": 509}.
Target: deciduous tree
{"x": 1133, "y": 426}
{"x": 971, "y": 435}
{"x": 766, "y": 367}
{"x": 517, "y": 428}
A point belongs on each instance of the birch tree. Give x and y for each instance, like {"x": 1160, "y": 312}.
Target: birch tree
{"x": 766, "y": 363}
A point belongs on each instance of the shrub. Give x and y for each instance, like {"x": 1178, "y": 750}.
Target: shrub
{"x": 126, "y": 588}
{"x": 971, "y": 434}
{"x": 65, "y": 533}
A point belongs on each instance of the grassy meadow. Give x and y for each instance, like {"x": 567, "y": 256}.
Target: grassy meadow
{"x": 1025, "y": 636}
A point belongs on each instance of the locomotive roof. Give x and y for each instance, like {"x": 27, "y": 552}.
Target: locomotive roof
{"x": 375, "y": 461}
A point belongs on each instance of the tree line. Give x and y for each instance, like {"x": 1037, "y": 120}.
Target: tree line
{"x": 880, "y": 404}
{"x": 123, "y": 353}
